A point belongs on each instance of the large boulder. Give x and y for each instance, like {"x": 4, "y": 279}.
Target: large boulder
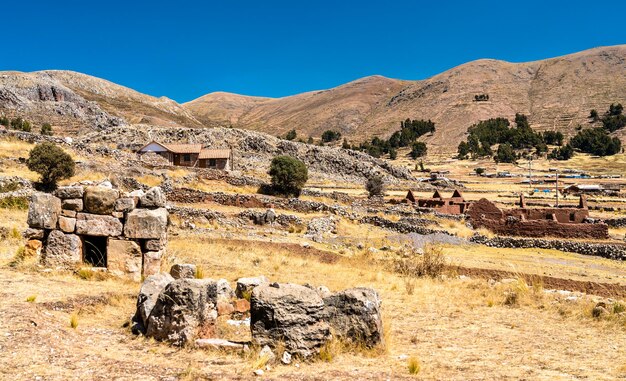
{"x": 153, "y": 198}
{"x": 43, "y": 211}
{"x": 185, "y": 310}
{"x": 62, "y": 249}
{"x": 98, "y": 225}
{"x": 354, "y": 315}
{"x": 291, "y": 314}
{"x": 246, "y": 285}
{"x": 100, "y": 200}
{"x": 124, "y": 258}
{"x": 146, "y": 223}
{"x": 148, "y": 294}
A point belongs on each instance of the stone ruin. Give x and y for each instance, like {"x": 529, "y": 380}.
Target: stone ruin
{"x": 181, "y": 310}
{"x": 537, "y": 222}
{"x": 101, "y": 227}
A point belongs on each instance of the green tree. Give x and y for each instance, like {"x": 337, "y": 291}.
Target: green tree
{"x": 593, "y": 115}
{"x": 479, "y": 171}
{"x": 596, "y": 141}
{"x": 375, "y": 186}
{"x": 291, "y": 135}
{"x": 4, "y": 121}
{"x": 505, "y": 154}
{"x": 330, "y": 136}
{"x": 563, "y": 153}
{"x": 51, "y": 163}
{"x": 613, "y": 120}
{"x": 288, "y": 175}
{"x": 418, "y": 150}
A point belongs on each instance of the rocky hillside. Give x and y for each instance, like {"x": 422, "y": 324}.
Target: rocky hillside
{"x": 77, "y": 102}
{"x": 556, "y": 93}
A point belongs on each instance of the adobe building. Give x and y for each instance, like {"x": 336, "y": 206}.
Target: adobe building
{"x": 191, "y": 155}
{"x": 536, "y": 222}
{"x": 452, "y": 205}
{"x": 99, "y": 227}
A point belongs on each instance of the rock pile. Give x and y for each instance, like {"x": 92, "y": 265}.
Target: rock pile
{"x": 100, "y": 226}
{"x": 301, "y": 318}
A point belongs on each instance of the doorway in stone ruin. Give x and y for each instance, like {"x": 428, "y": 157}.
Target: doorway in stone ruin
{"x": 95, "y": 251}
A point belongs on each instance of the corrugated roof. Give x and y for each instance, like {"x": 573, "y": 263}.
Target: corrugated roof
{"x": 183, "y": 148}
{"x": 214, "y": 154}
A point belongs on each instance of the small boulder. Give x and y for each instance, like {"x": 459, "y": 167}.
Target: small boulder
{"x": 33, "y": 248}
{"x": 224, "y": 291}
{"x": 183, "y": 271}
{"x": 153, "y": 198}
{"x": 125, "y": 204}
{"x": 74, "y": 204}
{"x": 246, "y": 285}
{"x": 31, "y": 233}
{"x": 184, "y": 311}
{"x": 241, "y": 305}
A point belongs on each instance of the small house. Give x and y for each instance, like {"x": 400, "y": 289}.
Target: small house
{"x": 191, "y": 155}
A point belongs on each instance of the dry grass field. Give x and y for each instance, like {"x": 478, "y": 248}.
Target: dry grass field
{"x": 493, "y": 314}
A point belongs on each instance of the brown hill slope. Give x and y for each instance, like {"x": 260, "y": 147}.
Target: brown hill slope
{"x": 556, "y": 93}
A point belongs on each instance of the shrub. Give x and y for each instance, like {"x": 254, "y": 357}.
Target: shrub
{"x": 288, "y": 175}
{"x": 52, "y": 164}
{"x": 432, "y": 263}
{"x": 479, "y": 171}
{"x": 393, "y": 154}
{"x": 418, "y": 150}
{"x": 14, "y": 202}
{"x": 4, "y": 121}
{"x": 46, "y": 129}
{"x": 330, "y": 136}
{"x": 375, "y": 186}
{"x": 345, "y": 144}
{"x": 74, "y": 320}
{"x": 291, "y": 135}
{"x": 31, "y": 298}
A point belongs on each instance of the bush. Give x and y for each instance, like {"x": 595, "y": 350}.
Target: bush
{"x": 288, "y": 175}
{"x": 418, "y": 150}
{"x": 432, "y": 263}
{"x": 345, "y": 144}
{"x": 375, "y": 186}
{"x": 291, "y": 135}
{"x": 393, "y": 154}
{"x": 479, "y": 171}
{"x": 613, "y": 120}
{"x": 52, "y": 164}
{"x": 46, "y": 129}
{"x": 4, "y": 121}
{"x": 596, "y": 141}
{"x": 330, "y": 136}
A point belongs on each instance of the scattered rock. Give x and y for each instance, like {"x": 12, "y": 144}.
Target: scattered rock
{"x": 148, "y": 294}
{"x": 267, "y": 354}
{"x": 219, "y": 344}
{"x": 246, "y": 285}
{"x": 183, "y": 270}
{"x": 286, "y": 358}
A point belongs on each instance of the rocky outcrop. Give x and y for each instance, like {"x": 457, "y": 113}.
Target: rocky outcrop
{"x": 291, "y": 314}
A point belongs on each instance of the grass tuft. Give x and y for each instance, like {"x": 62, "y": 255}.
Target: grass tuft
{"x": 414, "y": 365}
{"x": 199, "y": 272}
{"x": 31, "y": 298}
{"x": 74, "y": 320}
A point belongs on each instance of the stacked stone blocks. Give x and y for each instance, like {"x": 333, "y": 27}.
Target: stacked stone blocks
{"x": 134, "y": 226}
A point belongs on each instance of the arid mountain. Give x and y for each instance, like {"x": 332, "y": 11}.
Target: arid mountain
{"x": 556, "y": 94}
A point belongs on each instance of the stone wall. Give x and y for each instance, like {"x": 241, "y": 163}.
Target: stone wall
{"x": 606, "y": 250}
{"x": 100, "y": 226}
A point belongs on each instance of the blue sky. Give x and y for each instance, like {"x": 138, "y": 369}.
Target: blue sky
{"x": 185, "y": 49}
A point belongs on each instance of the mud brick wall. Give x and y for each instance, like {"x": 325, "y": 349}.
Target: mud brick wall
{"x": 548, "y": 222}
{"x": 99, "y": 226}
